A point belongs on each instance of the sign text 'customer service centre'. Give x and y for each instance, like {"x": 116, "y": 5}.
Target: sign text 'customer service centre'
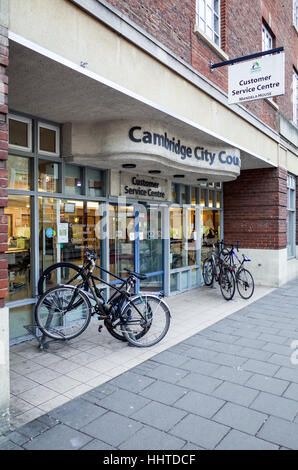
{"x": 257, "y": 79}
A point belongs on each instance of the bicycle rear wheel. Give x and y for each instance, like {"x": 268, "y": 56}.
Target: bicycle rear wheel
{"x": 245, "y": 283}
{"x": 208, "y": 273}
{"x": 227, "y": 282}
{"x": 145, "y": 320}
{"x": 61, "y": 273}
{"x": 63, "y": 312}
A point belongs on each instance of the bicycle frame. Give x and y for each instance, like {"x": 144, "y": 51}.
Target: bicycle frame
{"x": 96, "y": 294}
{"x": 233, "y": 254}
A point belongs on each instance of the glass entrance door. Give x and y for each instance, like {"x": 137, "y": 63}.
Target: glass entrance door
{"x": 151, "y": 247}
{"x": 121, "y": 239}
{"x": 136, "y": 243}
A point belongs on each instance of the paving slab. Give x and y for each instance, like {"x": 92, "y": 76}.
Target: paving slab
{"x": 227, "y": 385}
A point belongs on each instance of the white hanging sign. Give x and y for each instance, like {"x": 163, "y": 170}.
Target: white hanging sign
{"x": 257, "y": 79}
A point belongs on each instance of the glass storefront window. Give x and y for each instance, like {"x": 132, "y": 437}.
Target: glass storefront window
{"x": 19, "y": 130}
{"x": 73, "y": 179}
{"x": 95, "y": 182}
{"x": 218, "y": 200}
{"x": 79, "y": 220}
{"x": 48, "y": 176}
{"x": 178, "y": 253}
{"x": 19, "y": 173}
{"x": 19, "y": 250}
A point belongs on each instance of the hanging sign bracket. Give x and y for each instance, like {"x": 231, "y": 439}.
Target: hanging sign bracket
{"x": 247, "y": 57}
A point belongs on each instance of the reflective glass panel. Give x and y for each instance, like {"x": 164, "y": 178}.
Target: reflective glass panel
{"x": 19, "y": 250}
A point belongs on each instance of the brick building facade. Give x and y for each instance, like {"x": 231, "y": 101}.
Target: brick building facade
{"x": 97, "y": 90}
{"x": 3, "y": 160}
{"x": 173, "y": 24}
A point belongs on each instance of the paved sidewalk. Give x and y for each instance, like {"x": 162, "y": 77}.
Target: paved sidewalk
{"x": 42, "y": 381}
{"x": 230, "y": 386}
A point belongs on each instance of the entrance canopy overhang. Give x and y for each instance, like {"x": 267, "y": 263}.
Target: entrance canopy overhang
{"x": 55, "y": 90}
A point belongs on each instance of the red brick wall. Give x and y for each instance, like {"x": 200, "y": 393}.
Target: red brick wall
{"x": 172, "y": 23}
{"x": 3, "y": 159}
{"x": 255, "y": 209}
{"x": 247, "y": 39}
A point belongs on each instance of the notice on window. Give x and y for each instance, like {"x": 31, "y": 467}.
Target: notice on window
{"x": 257, "y": 79}
{"x": 62, "y": 233}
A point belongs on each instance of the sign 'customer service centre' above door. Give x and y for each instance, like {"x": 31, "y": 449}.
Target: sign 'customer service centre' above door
{"x": 143, "y": 187}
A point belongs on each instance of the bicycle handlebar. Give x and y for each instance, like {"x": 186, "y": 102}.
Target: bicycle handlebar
{"x": 222, "y": 242}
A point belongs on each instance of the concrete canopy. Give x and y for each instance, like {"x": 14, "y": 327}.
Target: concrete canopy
{"x": 43, "y": 87}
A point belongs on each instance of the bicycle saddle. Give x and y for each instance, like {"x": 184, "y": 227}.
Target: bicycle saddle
{"x": 138, "y": 275}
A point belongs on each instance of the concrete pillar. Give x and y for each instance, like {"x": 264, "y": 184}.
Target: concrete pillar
{"x": 4, "y": 325}
{"x": 4, "y": 370}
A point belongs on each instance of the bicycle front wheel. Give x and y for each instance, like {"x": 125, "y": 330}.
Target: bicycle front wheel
{"x": 245, "y": 283}
{"x": 227, "y": 283}
{"x": 208, "y": 274}
{"x": 145, "y": 320}
{"x": 63, "y": 312}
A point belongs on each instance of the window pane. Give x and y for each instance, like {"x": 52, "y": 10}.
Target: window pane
{"x": 290, "y": 234}
{"x": 47, "y": 139}
{"x": 209, "y": 33}
{"x": 48, "y": 176}
{"x": 184, "y": 280}
{"x": 216, "y": 25}
{"x": 78, "y": 222}
{"x": 95, "y": 182}
{"x": 18, "y": 133}
{"x": 202, "y": 24}
{"x": 122, "y": 230}
{"x": 18, "y": 172}
{"x": 18, "y": 318}
{"x": 174, "y": 192}
{"x": 194, "y": 277}
{"x": 209, "y": 18}
{"x": 183, "y": 194}
{"x": 174, "y": 282}
{"x": 193, "y": 195}
{"x": 210, "y": 226}
{"x": 191, "y": 236}
{"x": 203, "y": 197}
{"x": 19, "y": 252}
{"x": 178, "y": 253}
{"x": 73, "y": 179}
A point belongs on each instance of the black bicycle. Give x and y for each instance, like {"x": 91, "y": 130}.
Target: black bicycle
{"x": 215, "y": 269}
{"x": 244, "y": 279}
{"x": 65, "y": 310}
